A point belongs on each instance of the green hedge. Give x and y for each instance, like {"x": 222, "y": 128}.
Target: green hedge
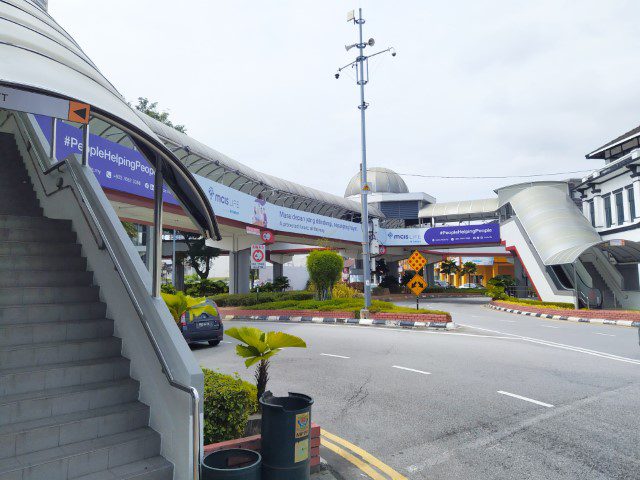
{"x": 340, "y": 304}
{"x": 537, "y": 303}
{"x": 228, "y": 402}
{"x": 248, "y": 299}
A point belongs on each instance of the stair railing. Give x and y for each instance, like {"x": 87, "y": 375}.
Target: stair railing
{"x": 83, "y": 202}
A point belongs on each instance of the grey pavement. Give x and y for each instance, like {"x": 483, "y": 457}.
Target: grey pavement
{"x": 513, "y": 400}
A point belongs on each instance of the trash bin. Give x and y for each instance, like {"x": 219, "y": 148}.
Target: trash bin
{"x": 286, "y": 430}
{"x": 232, "y": 463}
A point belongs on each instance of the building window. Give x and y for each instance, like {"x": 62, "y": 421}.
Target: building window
{"x": 592, "y": 213}
{"x": 607, "y": 211}
{"x": 619, "y": 207}
{"x": 632, "y": 203}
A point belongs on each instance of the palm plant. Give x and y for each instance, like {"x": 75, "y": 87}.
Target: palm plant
{"x": 449, "y": 267}
{"x": 259, "y": 347}
{"x": 179, "y": 304}
{"x": 468, "y": 269}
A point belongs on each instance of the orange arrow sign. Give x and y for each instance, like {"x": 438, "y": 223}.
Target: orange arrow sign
{"x": 79, "y": 112}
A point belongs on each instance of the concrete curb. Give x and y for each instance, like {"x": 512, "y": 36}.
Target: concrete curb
{"x": 345, "y": 321}
{"x": 600, "y": 321}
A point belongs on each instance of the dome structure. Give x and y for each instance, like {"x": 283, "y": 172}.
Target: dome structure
{"x": 382, "y": 180}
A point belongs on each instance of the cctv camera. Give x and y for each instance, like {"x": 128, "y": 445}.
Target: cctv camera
{"x": 393, "y": 54}
{"x": 337, "y": 76}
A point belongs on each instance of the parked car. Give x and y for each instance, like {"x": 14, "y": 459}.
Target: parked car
{"x": 471, "y": 285}
{"x": 204, "y": 328}
{"x": 441, "y": 284}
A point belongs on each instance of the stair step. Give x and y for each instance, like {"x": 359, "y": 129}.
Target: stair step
{"x": 34, "y": 278}
{"x": 154, "y": 468}
{"x": 25, "y": 437}
{"x": 14, "y": 176}
{"x": 64, "y": 249}
{"x": 19, "y": 221}
{"x": 37, "y": 234}
{"x": 52, "y": 312}
{"x": 23, "y": 210}
{"x": 45, "y": 353}
{"x": 83, "y": 458}
{"x": 41, "y": 377}
{"x": 34, "y": 262}
{"x": 46, "y": 403}
{"x": 31, "y": 334}
{"x": 40, "y": 295}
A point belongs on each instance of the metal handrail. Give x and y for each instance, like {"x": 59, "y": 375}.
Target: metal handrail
{"x": 193, "y": 392}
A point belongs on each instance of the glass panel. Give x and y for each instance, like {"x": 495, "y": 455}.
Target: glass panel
{"x": 592, "y": 213}
{"x": 619, "y": 208}
{"x": 607, "y": 211}
{"x": 632, "y": 203}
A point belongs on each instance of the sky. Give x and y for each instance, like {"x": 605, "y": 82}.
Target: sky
{"x": 489, "y": 88}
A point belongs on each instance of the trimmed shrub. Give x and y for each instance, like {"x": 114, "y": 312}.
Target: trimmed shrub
{"x": 341, "y": 305}
{"x": 325, "y": 268}
{"x": 496, "y": 292}
{"x": 228, "y": 402}
{"x": 248, "y": 299}
{"x": 205, "y": 288}
{"x": 538, "y": 303}
{"x": 343, "y": 290}
{"x": 168, "y": 288}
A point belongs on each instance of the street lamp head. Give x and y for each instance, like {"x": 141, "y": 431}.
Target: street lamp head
{"x": 393, "y": 51}
{"x": 337, "y": 76}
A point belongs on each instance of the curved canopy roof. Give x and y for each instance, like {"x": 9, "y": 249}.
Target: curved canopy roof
{"x": 466, "y": 209}
{"x": 204, "y": 160}
{"x": 558, "y": 230}
{"x": 39, "y": 55}
{"x": 382, "y": 180}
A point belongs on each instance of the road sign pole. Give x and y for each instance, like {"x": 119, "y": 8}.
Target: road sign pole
{"x": 417, "y": 302}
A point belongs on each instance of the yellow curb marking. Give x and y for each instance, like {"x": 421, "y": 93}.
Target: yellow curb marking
{"x": 355, "y": 460}
{"x": 364, "y": 455}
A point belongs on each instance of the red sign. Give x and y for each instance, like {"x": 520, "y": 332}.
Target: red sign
{"x": 382, "y": 250}
{"x": 267, "y": 236}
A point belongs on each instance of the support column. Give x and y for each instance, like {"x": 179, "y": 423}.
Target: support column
{"x": 278, "y": 269}
{"x": 636, "y": 196}
{"x": 179, "y": 272}
{"x": 598, "y": 210}
{"x": 239, "y": 267}
{"x": 430, "y": 273}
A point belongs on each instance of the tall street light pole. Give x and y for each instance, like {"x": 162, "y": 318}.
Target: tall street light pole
{"x": 361, "y": 64}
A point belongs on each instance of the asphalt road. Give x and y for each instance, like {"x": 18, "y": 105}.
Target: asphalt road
{"x": 505, "y": 397}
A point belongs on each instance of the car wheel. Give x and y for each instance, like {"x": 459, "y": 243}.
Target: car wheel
{"x": 213, "y": 343}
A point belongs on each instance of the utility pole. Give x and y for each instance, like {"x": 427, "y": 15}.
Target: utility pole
{"x": 361, "y": 64}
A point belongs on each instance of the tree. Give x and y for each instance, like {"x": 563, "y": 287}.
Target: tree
{"x": 468, "y": 269}
{"x": 325, "y": 269}
{"x": 502, "y": 281}
{"x": 199, "y": 254}
{"x": 179, "y": 304}
{"x": 260, "y": 347}
{"x": 448, "y": 267}
{"x": 151, "y": 109}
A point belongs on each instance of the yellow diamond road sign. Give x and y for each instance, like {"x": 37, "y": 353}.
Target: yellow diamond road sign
{"x": 416, "y": 261}
{"x": 417, "y": 284}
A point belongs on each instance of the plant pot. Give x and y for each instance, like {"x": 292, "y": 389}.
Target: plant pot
{"x": 232, "y": 464}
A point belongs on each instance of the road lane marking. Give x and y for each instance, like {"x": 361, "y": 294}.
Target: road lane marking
{"x": 411, "y": 370}
{"x": 562, "y": 346}
{"x": 335, "y": 356}
{"x": 549, "y": 326}
{"x": 224, "y": 341}
{"x": 604, "y": 334}
{"x": 526, "y": 399}
{"x": 364, "y": 467}
{"x": 366, "y": 456}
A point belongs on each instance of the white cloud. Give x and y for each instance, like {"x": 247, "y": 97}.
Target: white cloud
{"x": 478, "y": 88}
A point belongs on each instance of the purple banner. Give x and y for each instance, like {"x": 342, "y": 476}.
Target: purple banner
{"x": 116, "y": 167}
{"x": 487, "y": 233}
